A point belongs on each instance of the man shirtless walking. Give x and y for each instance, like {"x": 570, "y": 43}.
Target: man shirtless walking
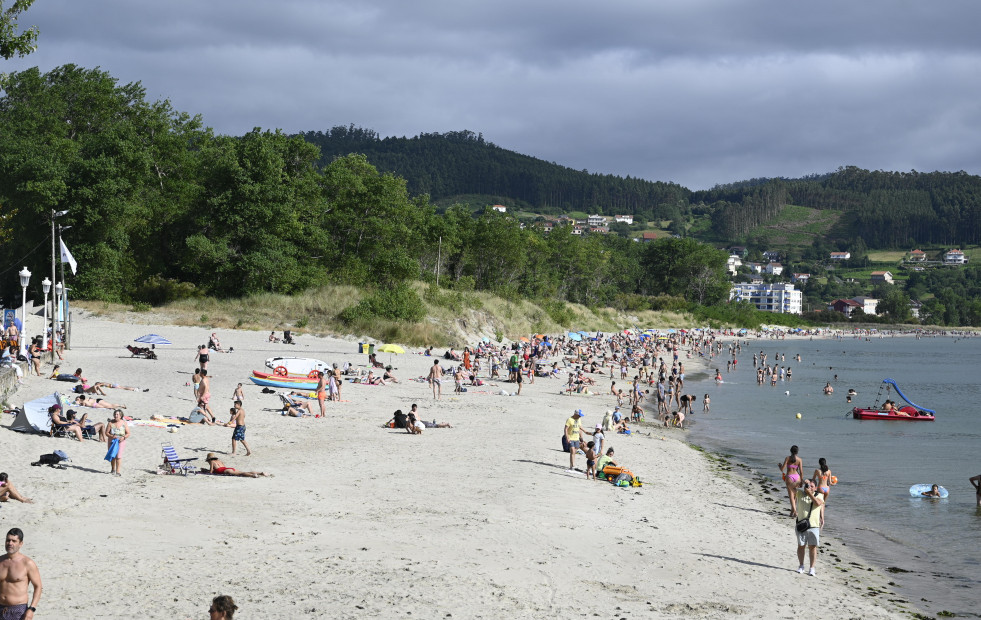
{"x": 435, "y": 379}
{"x": 238, "y": 421}
{"x": 17, "y": 572}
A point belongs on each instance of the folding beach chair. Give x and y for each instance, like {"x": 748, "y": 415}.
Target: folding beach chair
{"x": 175, "y": 463}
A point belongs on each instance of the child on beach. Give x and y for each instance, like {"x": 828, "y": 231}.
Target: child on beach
{"x": 238, "y": 394}
{"x": 706, "y": 402}
{"x": 590, "y": 461}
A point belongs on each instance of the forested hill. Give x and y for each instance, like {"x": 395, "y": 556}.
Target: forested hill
{"x": 462, "y": 162}
{"x": 883, "y": 209}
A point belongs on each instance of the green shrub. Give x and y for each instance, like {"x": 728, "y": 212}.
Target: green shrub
{"x": 558, "y": 311}
{"x": 397, "y": 303}
{"x": 141, "y": 306}
{"x": 157, "y": 290}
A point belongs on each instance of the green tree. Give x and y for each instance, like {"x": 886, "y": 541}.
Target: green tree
{"x": 895, "y": 304}
{"x": 13, "y": 43}
{"x": 684, "y": 268}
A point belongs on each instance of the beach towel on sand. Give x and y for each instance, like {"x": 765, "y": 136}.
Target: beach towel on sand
{"x": 113, "y": 450}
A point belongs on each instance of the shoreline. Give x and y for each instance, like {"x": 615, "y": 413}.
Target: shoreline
{"x": 478, "y": 520}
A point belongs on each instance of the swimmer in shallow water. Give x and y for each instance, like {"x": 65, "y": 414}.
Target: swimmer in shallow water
{"x": 933, "y": 492}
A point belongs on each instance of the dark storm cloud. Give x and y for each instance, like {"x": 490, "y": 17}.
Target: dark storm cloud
{"x": 691, "y": 91}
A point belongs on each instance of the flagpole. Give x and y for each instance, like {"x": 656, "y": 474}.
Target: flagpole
{"x": 64, "y": 319}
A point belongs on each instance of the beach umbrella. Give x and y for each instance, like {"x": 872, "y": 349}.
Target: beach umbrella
{"x": 152, "y": 339}
{"x": 575, "y": 336}
{"x": 391, "y": 349}
{"x": 523, "y": 339}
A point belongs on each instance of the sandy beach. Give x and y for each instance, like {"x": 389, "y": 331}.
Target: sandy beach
{"x": 478, "y": 521}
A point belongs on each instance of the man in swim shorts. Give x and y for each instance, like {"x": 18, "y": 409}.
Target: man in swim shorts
{"x": 976, "y": 482}
{"x": 810, "y": 506}
{"x": 238, "y": 421}
{"x": 17, "y": 572}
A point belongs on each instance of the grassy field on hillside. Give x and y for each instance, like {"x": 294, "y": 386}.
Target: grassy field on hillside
{"x": 796, "y": 226}
{"x": 887, "y": 256}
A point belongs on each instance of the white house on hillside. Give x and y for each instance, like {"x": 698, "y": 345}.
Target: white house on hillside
{"x": 500, "y": 208}
{"x": 882, "y": 276}
{"x": 840, "y": 255}
{"x": 955, "y": 257}
{"x": 625, "y": 219}
{"x": 774, "y": 269}
{"x": 596, "y": 220}
{"x": 733, "y": 263}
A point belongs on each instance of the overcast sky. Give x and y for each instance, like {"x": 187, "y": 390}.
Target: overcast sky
{"x": 697, "y": 92}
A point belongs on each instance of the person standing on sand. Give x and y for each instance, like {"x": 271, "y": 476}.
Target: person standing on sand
{"x": 572, "y": 436}
{"x": 336, "y": 384}
{"x": 204, "y": 391}
{"x": 238, "y": 394}
{"x": 202, "y": 356}
{"x": 196, "y": 382}
{"x": 238, "y": 421}
{"x": 118, "y": 432}
{"x": 810, "y": 506}
{"x": 17, "y": 573}
{"x": 321, "y": 391}
{"x": 435, "y": 379}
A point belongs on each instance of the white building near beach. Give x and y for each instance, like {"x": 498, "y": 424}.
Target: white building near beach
{"x": 780, "y": 298}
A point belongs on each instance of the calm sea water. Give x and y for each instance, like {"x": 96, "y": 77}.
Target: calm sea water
{"x": 876, "y": 462}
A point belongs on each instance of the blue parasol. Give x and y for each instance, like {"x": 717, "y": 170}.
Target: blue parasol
{"x": 152, "y": 339}
{"x": 575, "y": 336}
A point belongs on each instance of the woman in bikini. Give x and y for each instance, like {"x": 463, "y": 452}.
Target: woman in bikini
{"x": 96, "y": 403}
{"x": 790, "y": 469}
{"x": 217, "y": 467}
{"x": 822, "y": 478}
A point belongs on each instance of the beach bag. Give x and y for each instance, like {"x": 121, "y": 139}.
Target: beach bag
{"x": 805, "y": 524}
{"x": 51, "y": 460}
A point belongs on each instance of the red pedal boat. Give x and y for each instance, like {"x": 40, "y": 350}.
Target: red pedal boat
{"x": 910, "y": 413}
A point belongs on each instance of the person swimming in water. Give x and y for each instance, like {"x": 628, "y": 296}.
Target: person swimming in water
{"x": 790, "y": 469}
{"x": 933, "y": 492}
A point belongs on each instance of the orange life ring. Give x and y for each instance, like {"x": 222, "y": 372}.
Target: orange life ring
{"x": 280, "y": 371}
{"x": 314, "y": 374}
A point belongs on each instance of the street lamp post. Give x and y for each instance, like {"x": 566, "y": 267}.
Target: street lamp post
{"x": 46, "y": 287}
{"x": 25, "y": 279}
{"x": 59, "y": 291}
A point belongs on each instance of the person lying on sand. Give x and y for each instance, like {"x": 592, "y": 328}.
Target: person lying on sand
{"x": 217, "y": 467}
{"x": 296, "y": 408}
{"x": 96, "y": 403}
{"x": 8, "y": 491}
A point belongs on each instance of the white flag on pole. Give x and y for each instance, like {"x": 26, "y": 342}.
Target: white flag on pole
{"x": 66, "y": 257}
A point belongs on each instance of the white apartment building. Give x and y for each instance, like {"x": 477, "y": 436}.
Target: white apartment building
{"x": 596, "y": 220}
{"x": 780, "y": 298}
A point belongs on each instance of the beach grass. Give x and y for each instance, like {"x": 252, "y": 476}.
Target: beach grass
{"x": 451, "y": 317}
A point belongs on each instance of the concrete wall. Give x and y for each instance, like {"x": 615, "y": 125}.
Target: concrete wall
{"x": 8, "y": 383}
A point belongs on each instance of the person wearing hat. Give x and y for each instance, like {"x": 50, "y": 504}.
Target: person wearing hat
{"x": 573, "y": 434}
{"x": 215, "y": 466}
